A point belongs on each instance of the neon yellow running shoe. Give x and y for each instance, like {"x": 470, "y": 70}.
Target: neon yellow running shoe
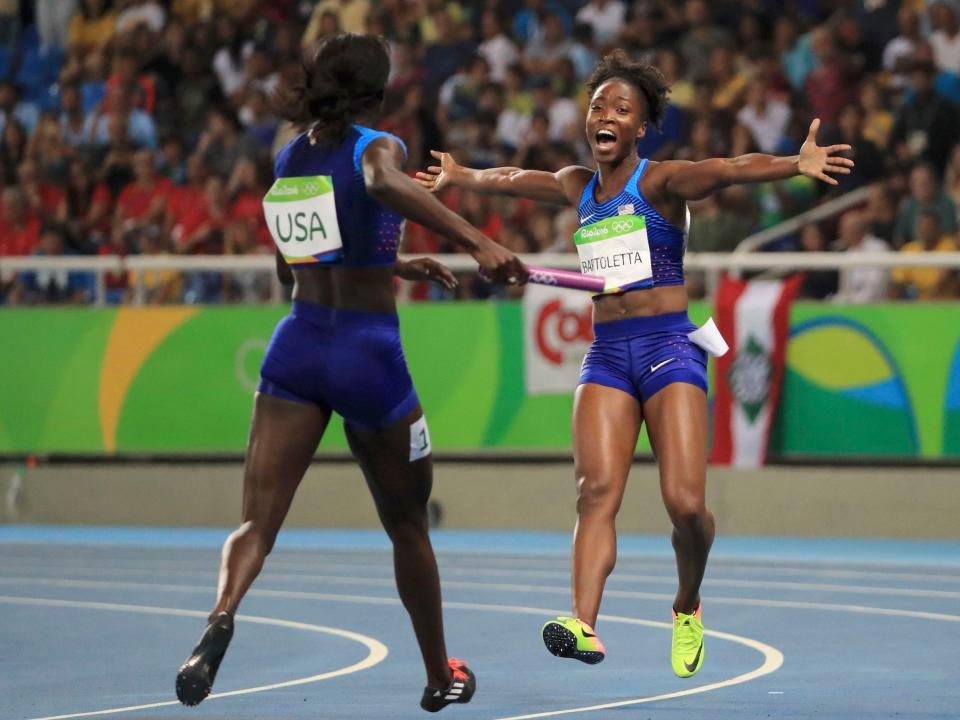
{"x": 686, "y": 655}
{"x": 572, "y": 638}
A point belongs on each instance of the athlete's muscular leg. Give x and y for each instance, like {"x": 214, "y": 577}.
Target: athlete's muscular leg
{"x": 283, "y": 438}
{"x": 677, "y": 424}
{"x": 606, "y": 423}
{"x": 400, "y": 489}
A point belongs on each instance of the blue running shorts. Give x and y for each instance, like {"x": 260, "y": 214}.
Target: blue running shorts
{"x": 642, "y": 355}
{"x": 347, "y": 361}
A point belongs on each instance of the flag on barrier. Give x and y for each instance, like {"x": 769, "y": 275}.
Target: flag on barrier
{"x": 754, "y": 317}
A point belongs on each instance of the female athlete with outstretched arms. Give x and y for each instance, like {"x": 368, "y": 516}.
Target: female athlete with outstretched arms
{"x": 643, "y": 365}
{"x": 335, "y": 213}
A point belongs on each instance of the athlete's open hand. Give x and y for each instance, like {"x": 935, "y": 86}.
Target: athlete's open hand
{"x": 426, "y": 269}
{"x": 816, "y": 161}
{"x": 499, "y": 265}
{"x": 438, "y": 177}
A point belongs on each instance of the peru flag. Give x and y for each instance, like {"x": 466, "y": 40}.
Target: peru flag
{"x": 754, "y": 317}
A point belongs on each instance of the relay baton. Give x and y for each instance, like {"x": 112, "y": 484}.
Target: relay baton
{"x": 565, "y": 279}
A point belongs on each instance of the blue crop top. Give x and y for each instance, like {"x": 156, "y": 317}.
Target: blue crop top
{"x": 667, "y": 242}
{"x": 370, "y": 232}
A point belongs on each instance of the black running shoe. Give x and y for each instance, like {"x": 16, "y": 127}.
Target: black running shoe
{"x": 462, "y": 688}
{"x": 197, "y": 674}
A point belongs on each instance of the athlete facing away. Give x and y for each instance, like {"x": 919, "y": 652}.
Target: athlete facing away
{"x": 643, "y": 366}
{"x": 335, "y": 213}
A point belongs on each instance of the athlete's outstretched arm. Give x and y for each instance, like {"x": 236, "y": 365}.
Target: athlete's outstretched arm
{"x": 560, "y": 188}
{"x": 388, "y": 184}
{"x": 695, "y": 180}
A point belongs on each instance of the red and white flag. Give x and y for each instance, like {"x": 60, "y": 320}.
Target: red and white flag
{"x": 754, "y": 317}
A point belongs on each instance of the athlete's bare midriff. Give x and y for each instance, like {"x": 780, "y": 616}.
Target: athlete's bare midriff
{"x": 367, "y": 289}
{"x": 640, "y": 303}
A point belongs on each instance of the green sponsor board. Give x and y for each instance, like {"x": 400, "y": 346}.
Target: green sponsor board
{"x": 875, "y": 380}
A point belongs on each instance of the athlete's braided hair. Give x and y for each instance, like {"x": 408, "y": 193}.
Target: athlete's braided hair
{"x": 343, "y": 78}
{"x": 646, "y": 79}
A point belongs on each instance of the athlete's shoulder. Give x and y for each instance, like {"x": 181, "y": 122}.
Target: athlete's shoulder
{"x": 288, "y": 151}
{"x": 574, "y": 179}
{"x": 368, "y": 135}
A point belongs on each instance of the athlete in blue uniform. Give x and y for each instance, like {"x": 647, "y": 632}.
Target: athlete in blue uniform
{"x": 643, "y": 365}
{"x": 335, "y": 213}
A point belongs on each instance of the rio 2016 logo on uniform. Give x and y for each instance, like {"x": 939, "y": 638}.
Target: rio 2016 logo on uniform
{"x": 298, "y": 227}
{"x": 621, "y": 226}
{"x": 749, "y": 378}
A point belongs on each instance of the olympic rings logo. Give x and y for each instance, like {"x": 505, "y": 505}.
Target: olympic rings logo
{"x": 311, "y": 188}
{"x": 542, "y": 278}
{"x": 620, "y": 226}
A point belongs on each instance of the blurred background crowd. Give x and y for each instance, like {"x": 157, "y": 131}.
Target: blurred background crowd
{"x": 148, "y": 127}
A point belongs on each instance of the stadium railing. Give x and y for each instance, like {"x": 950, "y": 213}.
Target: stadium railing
{"x": 712, "y": 264}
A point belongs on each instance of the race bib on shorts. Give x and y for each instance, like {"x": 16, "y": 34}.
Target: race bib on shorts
{"x": 302, "y": 218}
{"x": 419, "y": 439}
{"x": 617, "y": 249}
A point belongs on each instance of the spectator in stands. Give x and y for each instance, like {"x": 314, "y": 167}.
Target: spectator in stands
{"x": 141, "y": 130}
{"x": 19, "y": 224}
{"x": 565, "y": 118}
{"x": 881, "y": 212}
{"x": 925, "y": 196}
{"x": 528, "y": 22}
{"x": 460, "y": 93}
{"x": 729, "y": 79}
{"x": 444, "y": 56}
{"x": 222, "y": 144}
{"x": 86, "y": 210}
{"x": 877, "y": 118}
{"x": 197, "y": 91}
{"x": 141, "y": 12}
{"x": 926, "y": 283}
{"x": 72, "y": 118}
{"x": 797, "y": 60}
{"x": 866, "y": 155}
{"x": 945, "y": 37}
{"x": 542, "y": 56}
{"x": 159, "y": 287}
{"x": 92, "y": 26}
{"x": 951, "y": 178}
{"x": 861, "y": 284}
{"x": 898, "y": 54}
{"x": 606, "y": 17}
{"x": 350, "y": 14}
{"x": 722, "y": 220}
{"x": 43, "y": 198}
{"x": 11, "y": 106}
{"x": 927, "y": 126}
{"x": 817, "y": 284}
{"x": 13, "y": 151}
{"x": 47, "y": 148}
{"x": 700, "y": 39}
{"x": 764, "y": 115}
{"x": 53, "y": 21}
{"x": 498, "y": 50}
{"x": 52, "y": 286}
{"x": 832, "y": 84}
{"x": 141, "y": 204}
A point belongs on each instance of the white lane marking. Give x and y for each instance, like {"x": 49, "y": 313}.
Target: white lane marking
{"x": 212, "y": 566}
{"x": 377, "y": 650}
{"x": 774, "y": 692}
{"x": 647, "y": 579}
{"x": 501, "y": 587}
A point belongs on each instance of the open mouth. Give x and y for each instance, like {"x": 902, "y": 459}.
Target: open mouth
{"x": 606, "y": 139}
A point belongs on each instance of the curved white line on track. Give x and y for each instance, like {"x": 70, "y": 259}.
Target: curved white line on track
{"x": 377, "y": 650}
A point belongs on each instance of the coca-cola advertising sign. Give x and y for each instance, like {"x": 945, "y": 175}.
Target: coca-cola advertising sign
{"x": 557, "y": 330}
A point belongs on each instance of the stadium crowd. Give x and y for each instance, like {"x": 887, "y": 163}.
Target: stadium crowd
{"x": 148, "y": 127}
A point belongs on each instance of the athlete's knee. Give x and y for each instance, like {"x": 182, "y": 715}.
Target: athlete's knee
{"x": 597, "y": 493}
{"x": 687, "y": 509}
{"x": 404, "y": 521}
{"x": 256, "y": 537}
